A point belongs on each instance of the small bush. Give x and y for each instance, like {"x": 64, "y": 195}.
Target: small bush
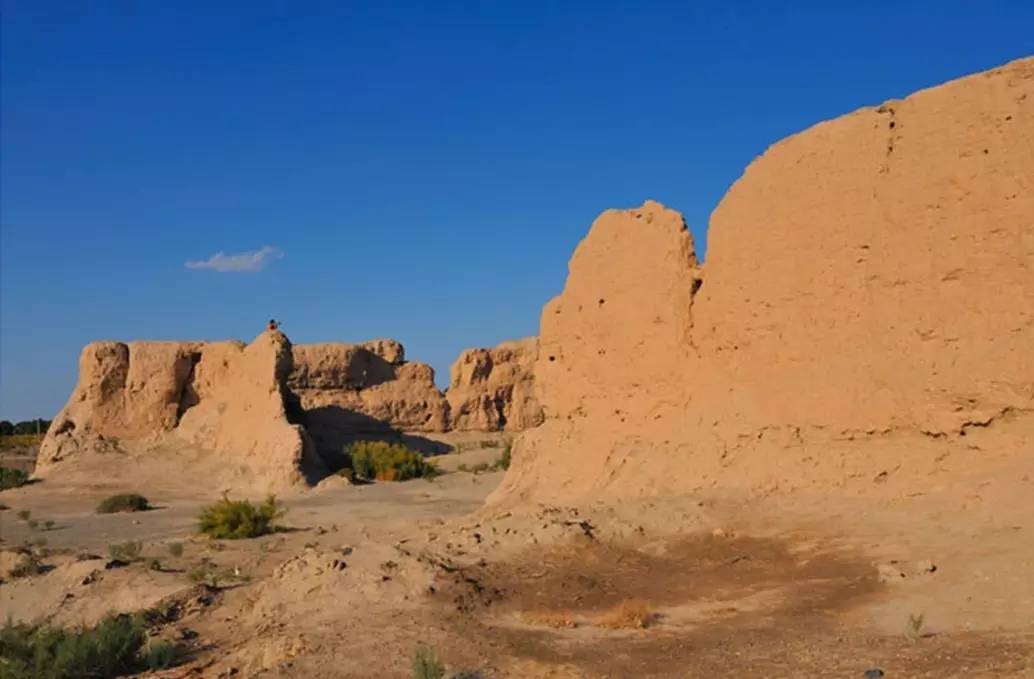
{"x": 204, "y": 573}
{"x": 235, "y": 519}
{"x": 12, "y": 478}
{"x": 26, "y": 568}
{"x": 125, "y": 551}
{"x": 48, "y": 524}
{"x": 33, "y": 524}
{"x": 154, "y": 565}
{"x": 504, "y": 460}
{"x": 112, "y": 648}
{"x": 208, "y": 573}
{"x": 426, "y": 664}
{"x": 124, "y": 502}
{"x": 387, "y": 461}
{"x": 161, "y": 656}
{"x": 24, "y": 514}
{"x": 914, "y": 626}
{"x": 175, "y": 549}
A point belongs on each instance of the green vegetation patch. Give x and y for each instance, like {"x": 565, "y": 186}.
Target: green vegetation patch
{"x": 124, "y": 502}
{"x": 129, "y": 551}
{"x": 235, "y": 519}
{"x": 385, "y": 461}
{"x": 115, "y": 647}
{"x": 426, "y": 664}
{"x": 12, "y": 478}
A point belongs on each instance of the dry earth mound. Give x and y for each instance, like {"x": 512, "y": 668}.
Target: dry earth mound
{"x": 256, "y": 405}
{"x": 220, "y": 396}
{"x": 135, "y": 390}
{"x": 494, "y": 389}
{"x": 866, "y": 311}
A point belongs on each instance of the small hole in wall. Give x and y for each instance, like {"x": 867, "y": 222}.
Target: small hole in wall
{"x": 552, "y": 358}
{"x": 892, "y": 123}
{"x": 601, "y": 301}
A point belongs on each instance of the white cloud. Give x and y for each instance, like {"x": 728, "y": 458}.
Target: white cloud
{"x": 251, "y": 261}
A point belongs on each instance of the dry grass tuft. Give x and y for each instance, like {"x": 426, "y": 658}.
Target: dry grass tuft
{"x": 549, "y": 619}
{"x": 629, "y": 614}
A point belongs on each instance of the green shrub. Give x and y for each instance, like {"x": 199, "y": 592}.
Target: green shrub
{"x": 175, "y": 549}
{"x": 234, "y": 519}
{"x": 112, "y": 648}
{"x": 161, "y": 656}
{"x": 208, "y": 573}
{"x": 387, "y": 461}
{"x": 426, "y": 664}
{"x": 125, "y": 502}
{"x": 25, "y": 569}
{"x": 12, "y": 478}
{"x": 504, "y": 460}
{"x": 24, "y": 514}
{"x": 125, "y": 551}
{"x": 205, "y": 573}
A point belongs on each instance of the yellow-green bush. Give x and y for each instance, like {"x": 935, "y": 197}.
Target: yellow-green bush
{"x": 234, "y": 519}
{"x": 387, "y": 461}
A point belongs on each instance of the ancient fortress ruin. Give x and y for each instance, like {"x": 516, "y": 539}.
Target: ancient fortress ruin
{"x": 866, "y": 309}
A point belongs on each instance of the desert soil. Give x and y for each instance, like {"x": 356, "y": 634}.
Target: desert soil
{"x": 725, "y": 585}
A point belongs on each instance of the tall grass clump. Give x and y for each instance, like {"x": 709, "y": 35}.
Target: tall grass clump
{"x": 385, "y": 461}
{"x": 426, "y": 664}
{"x": 235, "y": 519}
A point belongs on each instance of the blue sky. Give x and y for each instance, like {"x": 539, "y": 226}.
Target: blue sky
{"x": 419, "y": 171}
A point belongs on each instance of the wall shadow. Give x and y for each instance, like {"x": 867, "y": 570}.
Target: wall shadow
{"x": 333, "y": 427}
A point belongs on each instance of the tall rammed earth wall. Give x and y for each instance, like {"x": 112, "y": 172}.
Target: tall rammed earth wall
{"x": 866, "y": 311}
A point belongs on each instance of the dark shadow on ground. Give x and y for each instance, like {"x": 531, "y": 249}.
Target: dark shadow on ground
{"x": 333, "y": 427}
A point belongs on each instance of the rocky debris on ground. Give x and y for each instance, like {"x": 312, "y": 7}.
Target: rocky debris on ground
{"x": 896, "y": 571}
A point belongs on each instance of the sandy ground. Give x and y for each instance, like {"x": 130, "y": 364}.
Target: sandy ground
{"x": 721, "y": 585}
